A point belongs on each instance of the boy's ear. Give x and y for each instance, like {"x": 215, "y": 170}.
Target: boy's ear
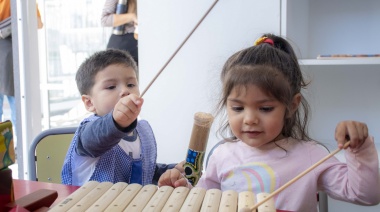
{"x": 295, "y": 103}
{"x": 86, "y": 99}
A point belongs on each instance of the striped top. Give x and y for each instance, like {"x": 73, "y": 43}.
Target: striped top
{"x": 109, "y": 10}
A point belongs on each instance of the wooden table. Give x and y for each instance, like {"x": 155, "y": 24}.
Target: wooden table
{"x": 24, "y": 187}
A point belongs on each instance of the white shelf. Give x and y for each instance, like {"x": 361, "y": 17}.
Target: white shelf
{"x": 326, "y": 27}
{"x": 346, "y": 61}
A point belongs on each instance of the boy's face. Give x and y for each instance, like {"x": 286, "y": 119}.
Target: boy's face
{"x": 111, "y": 84}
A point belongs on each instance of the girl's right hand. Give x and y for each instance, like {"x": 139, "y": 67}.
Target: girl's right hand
{"x": 173, "y": 178}
{"x": 354, "y": 131}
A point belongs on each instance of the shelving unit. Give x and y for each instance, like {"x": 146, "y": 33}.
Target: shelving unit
{"x": 347, "y": 61}
{"x": 340, "y": 88}
{"x": 337, "y": 27}
{"x": 331, "y": 27}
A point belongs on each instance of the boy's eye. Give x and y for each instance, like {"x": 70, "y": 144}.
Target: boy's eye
{"x": 266, "y": 109}
{"x": 131, "y": 85}
{"x": 111, "y": 87}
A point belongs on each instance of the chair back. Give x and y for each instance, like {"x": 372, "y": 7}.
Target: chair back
{"x": 47, "y": 154}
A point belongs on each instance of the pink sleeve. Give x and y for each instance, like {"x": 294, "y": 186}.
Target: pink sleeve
{"x": 357, "y": 180}
{"x": 209, "y": 179}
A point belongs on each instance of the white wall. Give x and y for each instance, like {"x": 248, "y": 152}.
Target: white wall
{"x": 190, "y": 83}
{"x": 346, "y": 92}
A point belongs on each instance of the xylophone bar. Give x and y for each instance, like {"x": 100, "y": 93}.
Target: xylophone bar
{"x": 105, "y": 196}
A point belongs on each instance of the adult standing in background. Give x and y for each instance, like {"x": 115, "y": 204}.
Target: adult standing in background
{"x": 123, "y": 37}
{"x": 6, "y": 58}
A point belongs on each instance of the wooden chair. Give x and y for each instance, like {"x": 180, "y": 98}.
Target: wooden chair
{"x": 47, "y": 153}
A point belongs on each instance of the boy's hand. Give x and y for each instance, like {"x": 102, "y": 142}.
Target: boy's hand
{"x": 354, "y": 131}
{"x": 127, "y": 109}
{"x": 173, "y": 178}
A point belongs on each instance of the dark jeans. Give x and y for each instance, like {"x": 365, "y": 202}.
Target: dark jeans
{"x": 125, "y": 42}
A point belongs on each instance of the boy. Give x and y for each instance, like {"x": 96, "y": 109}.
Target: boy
{"x": 111, "y": 145}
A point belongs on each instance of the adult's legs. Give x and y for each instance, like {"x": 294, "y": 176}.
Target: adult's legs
{"x": 1, "y": 106}
{"x": 125, "y": 42}
{"x": 11, "y": 101}
{"x": 6, "y": 71}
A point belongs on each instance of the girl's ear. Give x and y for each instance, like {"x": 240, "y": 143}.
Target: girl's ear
{"x": 86, "y": 99}
{"x": 295, "y": 103}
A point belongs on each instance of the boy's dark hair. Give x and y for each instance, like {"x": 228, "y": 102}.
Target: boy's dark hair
{"x": 275, "y": 69}
{"x": 97, "y": 62}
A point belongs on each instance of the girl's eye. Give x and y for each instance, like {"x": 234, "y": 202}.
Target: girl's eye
{"x": 266, "y": 109}
{"x": 237, "y": 108}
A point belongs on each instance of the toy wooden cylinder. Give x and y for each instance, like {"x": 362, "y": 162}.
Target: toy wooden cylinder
{"x": 197, "y": 146}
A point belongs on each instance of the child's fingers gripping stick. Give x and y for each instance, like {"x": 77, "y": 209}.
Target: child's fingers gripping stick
{"x": 180, "y": 167}
{"x": 172, "y": 177}
{"x": 131, "y": 104}
{"x": 353, "y": 131}
{"x": 127, "y": 110}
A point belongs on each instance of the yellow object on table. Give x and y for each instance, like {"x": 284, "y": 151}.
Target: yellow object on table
{"x": 7, "y": 151}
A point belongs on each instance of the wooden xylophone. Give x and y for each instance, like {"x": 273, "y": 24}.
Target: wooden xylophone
{"x": 105, "y": 196}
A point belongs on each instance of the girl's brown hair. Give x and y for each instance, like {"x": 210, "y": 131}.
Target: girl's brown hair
{"x": 274, "y": 68}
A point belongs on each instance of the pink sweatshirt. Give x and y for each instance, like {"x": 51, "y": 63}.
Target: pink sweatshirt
{"x": 237, "y": 166}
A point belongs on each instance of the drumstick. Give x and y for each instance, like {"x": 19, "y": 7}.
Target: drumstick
{"x": 177, "y": 50}
{"x": 197, "y": 146}
{"x": 253, "y": 208}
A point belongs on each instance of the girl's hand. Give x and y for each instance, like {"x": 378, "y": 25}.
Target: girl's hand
{"x": 353, "y": 131}
{"x": 127, "y": 109}
{"x": 180, "y": 167}
{"x": 173, "y": 178}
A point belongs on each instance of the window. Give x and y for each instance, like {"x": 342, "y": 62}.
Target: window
{"x": 71, "y": 32}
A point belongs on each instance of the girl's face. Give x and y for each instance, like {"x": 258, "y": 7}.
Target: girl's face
{"x": 111, "y": 84}
{"x": 254, "y": 117}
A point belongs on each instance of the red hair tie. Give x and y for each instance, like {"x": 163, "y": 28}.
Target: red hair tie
{"x": 264, "y": 40}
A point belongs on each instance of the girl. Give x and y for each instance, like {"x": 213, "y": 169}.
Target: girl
{"x": 267, "y": 117}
